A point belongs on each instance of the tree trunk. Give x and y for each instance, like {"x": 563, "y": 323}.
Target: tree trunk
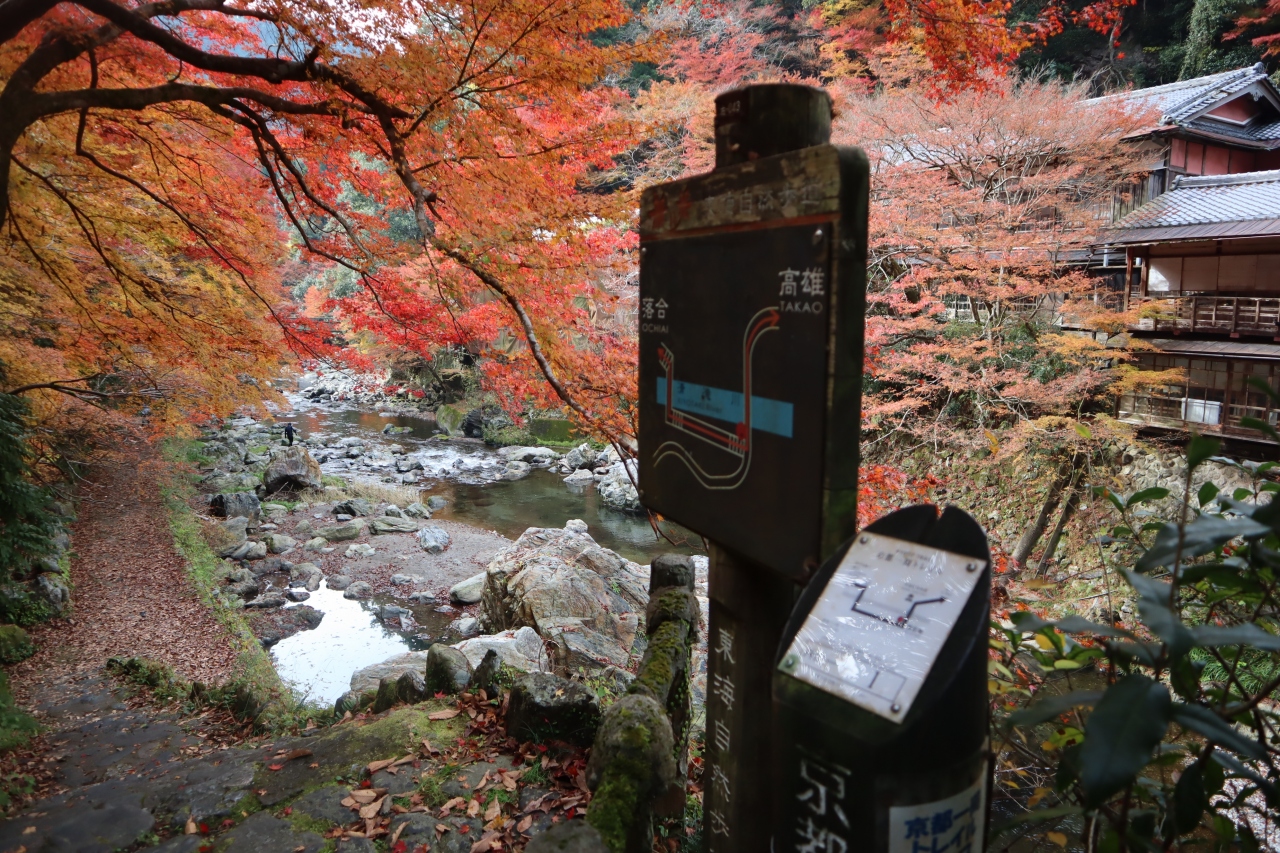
{"x": 1068, "y": 507}
{"x": 1027, "y": 543}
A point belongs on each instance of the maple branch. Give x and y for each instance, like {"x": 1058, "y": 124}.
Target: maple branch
{"x": 16, "y": 14}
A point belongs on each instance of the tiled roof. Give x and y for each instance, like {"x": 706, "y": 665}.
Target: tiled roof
{"x": 1211, "y": 198}
{"x": 1179, "y": 101}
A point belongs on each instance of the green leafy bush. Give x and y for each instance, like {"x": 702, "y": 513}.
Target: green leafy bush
{"x": 1162, "y": 730}
{"x": 27, "y": 526}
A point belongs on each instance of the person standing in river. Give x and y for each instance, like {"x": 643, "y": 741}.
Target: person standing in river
{"x": 288, "y": 433}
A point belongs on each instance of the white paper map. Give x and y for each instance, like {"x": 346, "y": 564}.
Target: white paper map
{"x": 878, "y": 626}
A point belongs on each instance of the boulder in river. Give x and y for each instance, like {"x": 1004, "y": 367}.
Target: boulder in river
{"x": 342, "y": 532}
{"x": 234, "y": 504}
{"x": 436, "y": 503}
{"x": 338, "y": 582}
{"x": 466, "y": 626}
{"x": 423, "y": 596}
{"x": 308, "y": 574}
{"x": 583, "y": 598}
{"x": 540, "y": 456}
{"x": 278, "y": 543}
{"x": 360, "y": 550}
{"x": 358, "y": 590}
{"x": 297, "y": 594}
{"x": 468, "y": 591}
{"x": 417, "y": 510}
{"x": 391, "y": 524}
{"x": 353, "y": 507}
{"x": 580, "y": 477}
{"x": 317, "y": 543}
{"x": 249, "y": 550}
{"x": 272, "y": 626}
{"x": 402, "y": 580}
{"x": 516, "y": 470}
{"x": 434, "y": 540}
{"x": 291, "y": 468}
{"x": 267, "y": 599}
{"x": 617, "y": 491}
{"x": 303, "y": 530}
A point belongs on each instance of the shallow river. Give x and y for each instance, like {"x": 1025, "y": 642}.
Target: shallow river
{"x": 319, "y": 662}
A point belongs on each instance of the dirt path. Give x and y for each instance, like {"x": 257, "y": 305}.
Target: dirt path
{"x": 131, "y": 595}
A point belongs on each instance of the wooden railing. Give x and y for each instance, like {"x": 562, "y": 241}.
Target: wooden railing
{"x": 1233, "y": 315}
{"x": 1217, "y": 417}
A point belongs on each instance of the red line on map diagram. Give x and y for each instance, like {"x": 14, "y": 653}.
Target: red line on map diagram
{"x": 737, "y": 441}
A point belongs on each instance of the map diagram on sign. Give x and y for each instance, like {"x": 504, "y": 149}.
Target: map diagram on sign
{"x": 877, "y": 629}
{"x": 683, "y": 401}
{"x": 734, "y": 331}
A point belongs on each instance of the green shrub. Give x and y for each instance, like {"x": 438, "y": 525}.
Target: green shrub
{"x": 27, "y": 525}
{"x": 508, "y": 436}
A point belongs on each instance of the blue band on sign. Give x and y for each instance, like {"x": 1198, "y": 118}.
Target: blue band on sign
{"x": 767, "y": 415}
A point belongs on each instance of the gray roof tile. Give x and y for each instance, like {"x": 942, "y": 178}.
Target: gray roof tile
{"x": 1210, "y": 200}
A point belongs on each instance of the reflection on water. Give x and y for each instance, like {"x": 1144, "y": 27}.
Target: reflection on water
{"x": 318, "y": 663}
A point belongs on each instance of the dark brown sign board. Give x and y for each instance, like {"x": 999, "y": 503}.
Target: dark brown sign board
{"x": 752, "y": 294}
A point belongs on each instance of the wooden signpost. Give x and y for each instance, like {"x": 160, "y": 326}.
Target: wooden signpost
{"x": 752, "y": 295}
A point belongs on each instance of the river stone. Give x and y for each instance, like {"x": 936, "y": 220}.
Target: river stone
{"x": 467, "y": 626}
{"x": 353, "y": 507}
{"x": 235, "y": 504}
{"x": 570, "y": 836}
{"x": 545, "y": 707}
{"x": 267, "y": 600}
{"x": 422, "y": 596}
{"x": 359, "y": 589}
{"x": 531, "y": 455}
{"x": 516, "y": 470}
{"x": 308, "y": 574}
{"x": 417, "y": 510}
{"x": 366, "y": 679}
{"x": 468, "y": 591}
{"x": 435, "y": 503}
{"x": 297, "y": 594}
{"x": 342, "y": 532}
{"x": 392, "y": 524}
{"x": 15, "y": 645}
{"x": 617, "y": 491}
{"x": 448, "y": 670}
{"x": 318, "y": 543}
{"x": 338, "y": 582}
{"x": 402, "y": 580}
{"x": 520, "y": 649}
{"x": 360, "y": 550}
{"x": 434, "y": 540}
{"x": 250, "y": 551}
{"x": 485, "y": 676}
{"x": 278, "y": 543}
{"x": 582, "y": 456}
{"x": 580, "y": 477}
{"x": 291, "y": 468}
{"x": 393, "y": 511}
{"x": 226, "y": 538}
{"x": 304, "y": 530}
{"x": 273, "y": 508}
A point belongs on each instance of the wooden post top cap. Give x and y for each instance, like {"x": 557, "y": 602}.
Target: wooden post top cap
{"x": 770, "y": 118}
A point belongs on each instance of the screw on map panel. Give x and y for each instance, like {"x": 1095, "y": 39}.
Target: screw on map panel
{"x": 895, "y": 707}
{"x": 863, "y": 540}
{"x": 817, "y": 237}
{"x": 972, "y": 567}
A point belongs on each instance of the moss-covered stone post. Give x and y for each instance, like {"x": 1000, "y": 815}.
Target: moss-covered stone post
{"x": 640, "y": 758}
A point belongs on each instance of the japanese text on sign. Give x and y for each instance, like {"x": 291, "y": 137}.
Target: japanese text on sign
{"x": 953, "y": 825}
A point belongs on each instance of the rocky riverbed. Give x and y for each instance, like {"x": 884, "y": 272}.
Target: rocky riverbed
{"x": 340, "y": 580}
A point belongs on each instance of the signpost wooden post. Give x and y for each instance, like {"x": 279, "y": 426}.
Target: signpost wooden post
{"x": 752, "y": 294}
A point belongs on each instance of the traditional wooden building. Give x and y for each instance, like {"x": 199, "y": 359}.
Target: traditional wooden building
{"x": 1196, "y": 252}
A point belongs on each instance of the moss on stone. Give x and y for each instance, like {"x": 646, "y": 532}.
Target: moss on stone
{"x": 668, "y": 647}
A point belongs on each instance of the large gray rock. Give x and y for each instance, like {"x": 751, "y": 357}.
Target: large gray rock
{"x": 583, "y": 598}
{"x": 353, "y": 507}
{"x": 448, "y": 670}
{"x": 357, "y": 590}
{"x": 468, "y": 591}
{"x": 391, "y": 524}
{"x": 342, "y": 532}
{"x": 367, "y": 679}
{"x": 308, "y": 574}
{"x": 434, "y": 540}
{"x": 249, "y": 550}
{"x": 226, "y": 538}
{"x": 545, "y": 707}
{"x": 582, "y": 456}
{"x": 278, "y": 543}
{"x": 417, "y": 510}
{"x": 617, "y": 491}
{"x": 339, "y": 582}
{"x": 231, "y": 505}
{"x": 435, "y": 503}
{"x": 291, "y": 468}
{"x": 580, "y": 477}
{"x": 539, "y": 456}
{"x": 520, "y": 649}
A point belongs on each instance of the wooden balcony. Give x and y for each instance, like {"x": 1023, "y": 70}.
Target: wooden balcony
{"x": 1222, "y": 315}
